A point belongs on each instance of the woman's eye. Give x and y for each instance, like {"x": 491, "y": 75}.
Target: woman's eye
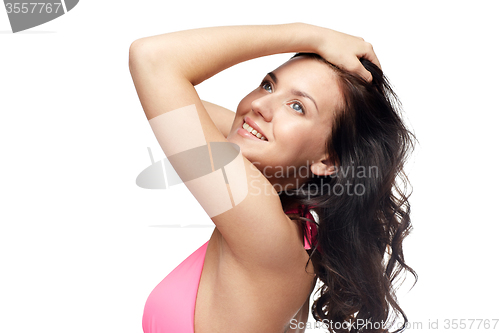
{"x": 297, "y": 107}
{"x": 267, "y": 86}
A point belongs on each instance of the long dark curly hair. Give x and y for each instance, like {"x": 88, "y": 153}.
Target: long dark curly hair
{"x": 363, "y": 209}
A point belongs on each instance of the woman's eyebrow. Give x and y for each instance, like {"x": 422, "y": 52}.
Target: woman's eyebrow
{"x": 303, "y": 94}
{"x": 294, "y": 91}
{"x": 273, "y": 77}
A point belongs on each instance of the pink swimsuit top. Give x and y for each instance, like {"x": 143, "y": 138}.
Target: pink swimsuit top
{"x": 170, "y": 306}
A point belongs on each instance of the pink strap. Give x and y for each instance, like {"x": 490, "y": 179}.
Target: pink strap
{"x": 311, "y": 227}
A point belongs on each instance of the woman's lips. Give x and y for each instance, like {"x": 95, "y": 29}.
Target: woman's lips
{"x": 245, "y": 133}
{"x": 250, "y": 122}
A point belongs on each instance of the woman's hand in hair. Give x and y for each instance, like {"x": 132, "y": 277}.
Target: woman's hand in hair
{"x": 344, "y": 51}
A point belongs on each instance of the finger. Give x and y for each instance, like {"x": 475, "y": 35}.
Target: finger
{"x": 363, "y": 72}
{"x": 373, "y": 59}
{"x": 354, "y": 66}
{"x": 371, "y": 56}
{"x": 366, "y": 75}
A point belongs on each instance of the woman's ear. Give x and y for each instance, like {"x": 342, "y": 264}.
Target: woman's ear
{"x": 324, "y": 167}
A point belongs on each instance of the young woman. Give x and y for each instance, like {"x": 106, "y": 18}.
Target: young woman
{"x": 321, "y": 134}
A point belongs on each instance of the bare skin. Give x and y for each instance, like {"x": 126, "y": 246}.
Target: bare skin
{"x": 232, "y": 294}
{"x": 223, "y": 119}
{"x": 254, "y": 277}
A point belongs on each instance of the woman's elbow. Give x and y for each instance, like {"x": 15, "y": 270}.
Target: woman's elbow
{"x": 139, "y": 52}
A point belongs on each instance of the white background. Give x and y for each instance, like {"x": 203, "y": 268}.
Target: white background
{"x": 81, "y": 246}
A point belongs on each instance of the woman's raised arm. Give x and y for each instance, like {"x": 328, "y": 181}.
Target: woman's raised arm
{"x": 240, "y": 200}
{"x": 201, "y": 53}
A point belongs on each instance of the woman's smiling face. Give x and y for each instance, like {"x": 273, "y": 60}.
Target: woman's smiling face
{"x": 293, "y": 109}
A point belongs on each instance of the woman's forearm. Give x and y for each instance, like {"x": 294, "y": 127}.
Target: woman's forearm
{"x": 201, "y": 53}
{"x": 166, "y": 67}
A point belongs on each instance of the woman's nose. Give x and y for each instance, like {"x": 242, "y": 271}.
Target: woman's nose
{"x": 264, "y": 106}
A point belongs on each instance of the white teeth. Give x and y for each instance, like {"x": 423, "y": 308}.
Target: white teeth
{"x": 253, "y": 131}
